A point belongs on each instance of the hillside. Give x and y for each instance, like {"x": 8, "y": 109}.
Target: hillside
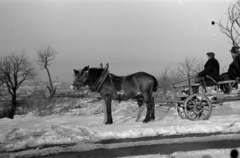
{"x": 36, "y": 88}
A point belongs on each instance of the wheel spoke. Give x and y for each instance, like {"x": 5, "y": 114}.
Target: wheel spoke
{"x": 201, "y": 101}
{"x": 192, "y": 102}
{"x": 190, "y": 105}
{"x": 182, "y": 112}
{"x": 194, "y": 115}
{"x": 197, "y": 107}
{"x": 194, "y": 111}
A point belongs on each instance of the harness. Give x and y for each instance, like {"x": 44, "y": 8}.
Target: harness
{"x": 119, "y": 93}
{"x": 99, "y": 83}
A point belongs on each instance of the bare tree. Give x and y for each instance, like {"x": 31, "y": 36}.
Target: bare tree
{"x": 1, "y": 85}
{"x": 46, "y": 55}
{"x": 189, "y": 70}
{"x": 231, "y": 28}
{"x": 171, "y": 75}
{"x": 190, "y": 67}
{"x": 14, "y": 70}
{"x": 165, "y": 78}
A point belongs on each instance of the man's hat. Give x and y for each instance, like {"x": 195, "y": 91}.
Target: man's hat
{"x": 234, "y": 49}
{"x": 210, "y": 54}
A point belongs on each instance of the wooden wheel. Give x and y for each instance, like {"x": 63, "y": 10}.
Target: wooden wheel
{"x": 197, "y": 107}
{"x": 180, "y": 109}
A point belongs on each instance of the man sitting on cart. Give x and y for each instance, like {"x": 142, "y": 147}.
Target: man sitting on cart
{"x": 234, "y": 67}
{"x": 210, "y": 75}
{"x": 233, "y": 70}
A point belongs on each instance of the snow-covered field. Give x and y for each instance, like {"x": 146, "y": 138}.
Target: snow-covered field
{"x": 26, "y": 135}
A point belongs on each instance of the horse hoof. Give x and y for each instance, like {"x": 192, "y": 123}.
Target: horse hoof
{"x": 108, "y": 123}
{"x": 145, "y": 121}
{"x": 152, "y": 119}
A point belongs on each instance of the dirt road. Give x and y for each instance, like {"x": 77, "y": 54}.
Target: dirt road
{"x": 155, "y": 145}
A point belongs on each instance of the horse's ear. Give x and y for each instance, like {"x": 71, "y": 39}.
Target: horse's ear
{"x": 101, "y": 66}
{"x": 75, "y": 71}
{"x": 107, "y": 65}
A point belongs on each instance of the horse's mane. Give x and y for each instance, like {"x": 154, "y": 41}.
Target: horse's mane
{"x": 95, "y": 73}
{"x": 95, "y": 70}
{"x": 102, "y": 69}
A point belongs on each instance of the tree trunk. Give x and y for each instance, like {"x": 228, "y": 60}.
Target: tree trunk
{"x": 14, "y": 106}
{"x": 50, "y": 88}
{"x": 50, "y": 80}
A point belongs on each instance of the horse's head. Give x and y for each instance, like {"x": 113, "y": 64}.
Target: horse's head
{"x": 80, "y": 78}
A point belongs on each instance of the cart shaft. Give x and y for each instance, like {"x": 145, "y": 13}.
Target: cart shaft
{"x": 171, "y": 101}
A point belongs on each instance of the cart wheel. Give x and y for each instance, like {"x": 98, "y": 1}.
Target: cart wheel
{"x": 197, "y": 107}
{"x": 180, "y": 109}
{"x": 181, "y": 112}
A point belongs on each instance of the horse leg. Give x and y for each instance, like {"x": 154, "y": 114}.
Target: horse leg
{"x": 148, "y": 104}
{"x": 104, "y": 107}
{"x": 108, "y": 102}
{"x": 140, "y": 102}
{"x": 152, "y": 111}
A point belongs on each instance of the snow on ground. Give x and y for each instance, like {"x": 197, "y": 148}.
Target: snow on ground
{"x": 31, "y": 132}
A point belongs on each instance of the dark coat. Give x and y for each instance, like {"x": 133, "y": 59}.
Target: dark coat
{"x": 212, "y": 69}
{"x": 234, "y": 68}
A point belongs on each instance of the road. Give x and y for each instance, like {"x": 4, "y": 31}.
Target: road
{"x": 155, "y": 145}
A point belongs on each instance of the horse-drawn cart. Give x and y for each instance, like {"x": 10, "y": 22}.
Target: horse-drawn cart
{"x": 198, "y": 106}
{"x": 141, "y": 85}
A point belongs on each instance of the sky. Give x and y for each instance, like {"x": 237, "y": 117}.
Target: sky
{"x": 130, "y": 35}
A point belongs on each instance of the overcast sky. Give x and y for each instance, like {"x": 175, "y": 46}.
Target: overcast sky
{"x": 130, "y": 35}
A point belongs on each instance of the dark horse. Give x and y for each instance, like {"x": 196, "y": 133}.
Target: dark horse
{"x": 139, "y": 86}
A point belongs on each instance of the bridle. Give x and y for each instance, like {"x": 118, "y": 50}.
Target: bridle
{"x": 82, "y": 82}
{"x": 99, "y": 82}
{"x": 83, "y": 77}
{"x": 78, "y": 83}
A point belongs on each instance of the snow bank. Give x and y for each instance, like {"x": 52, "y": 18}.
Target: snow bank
{"x": 31, "y": 133}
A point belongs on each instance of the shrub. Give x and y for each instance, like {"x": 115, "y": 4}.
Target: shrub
{"x": 5, "y": 108}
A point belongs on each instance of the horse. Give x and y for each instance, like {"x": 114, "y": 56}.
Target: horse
{"x": 139, "y": 86}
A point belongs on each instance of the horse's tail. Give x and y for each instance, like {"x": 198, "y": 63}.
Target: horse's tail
{"x": 155, "y": 85}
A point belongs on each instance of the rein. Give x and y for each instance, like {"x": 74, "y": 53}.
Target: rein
{"x": 183, "y": 80}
